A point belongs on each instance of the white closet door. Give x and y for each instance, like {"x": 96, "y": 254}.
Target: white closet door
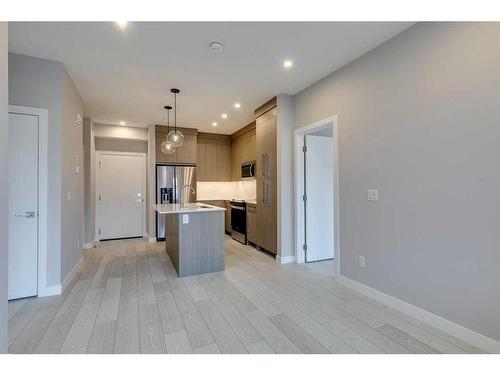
{"x": 319, "y": 190}
{"x": 23, "y": 205}
{"x": 121, "y": 195}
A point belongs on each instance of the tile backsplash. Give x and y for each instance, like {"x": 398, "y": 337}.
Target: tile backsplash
{"x": 244, "y": 190}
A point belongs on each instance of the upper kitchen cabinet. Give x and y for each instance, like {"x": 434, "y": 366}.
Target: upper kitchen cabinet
{"x": 186, "y": 154}
{"x": 213, "y": 157}
{"x": 266, "y": 142}
{"x": 243, "y": 149}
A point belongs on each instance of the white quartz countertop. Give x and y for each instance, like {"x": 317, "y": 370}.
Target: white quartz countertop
{"x": 176, "y": 208}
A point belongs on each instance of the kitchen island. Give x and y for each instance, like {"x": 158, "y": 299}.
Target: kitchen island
{"x": 194, "y": 237}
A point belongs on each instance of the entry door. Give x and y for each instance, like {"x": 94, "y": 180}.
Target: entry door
{"x": 319, "y": 203}
{"x": 23, "y": 205}
{"x": 120, "y": 194}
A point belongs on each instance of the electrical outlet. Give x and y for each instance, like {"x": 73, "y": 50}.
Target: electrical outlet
{"x": 373, "y": 195}
{"x": 362, "y": 261}
{"x": 185, "y": 219}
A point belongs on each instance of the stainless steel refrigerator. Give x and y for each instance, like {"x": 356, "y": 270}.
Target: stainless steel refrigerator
{"x": 174, "y": 184}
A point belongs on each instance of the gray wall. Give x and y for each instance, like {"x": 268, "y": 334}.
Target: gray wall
{"x": 284, "y": 134}
{"x": 4, "y": 186}
{"x": 44, "y": 83}
{"x": 121, "y": 145}
{"x": 89, "y": 178}
{"x": 72, "y": 213}
{"x": 419, "y": 119}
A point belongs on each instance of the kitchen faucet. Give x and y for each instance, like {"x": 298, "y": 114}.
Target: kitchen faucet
{"x": 190, "y": 188}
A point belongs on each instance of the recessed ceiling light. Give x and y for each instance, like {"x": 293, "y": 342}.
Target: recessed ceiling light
{"x": 224, "y": 115}
{"x": 122, "y": 24}
{"x": 214, "y": 123}
{"x": 216, "y": 47}
{"x": 287, "y": 64}
{"x": 237, "y": 105}
{"x": 122, "y": 122}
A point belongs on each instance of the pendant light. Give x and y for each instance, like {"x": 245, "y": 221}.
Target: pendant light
{"x": 166, "y": 145}
{"x": 175, "y": 137}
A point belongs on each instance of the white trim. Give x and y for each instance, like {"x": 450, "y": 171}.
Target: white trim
{"x": 43, "y": 139}
{"x": 69, "y": 277}
{"x": 50, "y": 290}
{"x": 285, "y": 259}
{"x": 298, "y": 186}
{"x": 97, "y": 182}
{"x": 436, "y": 321}
{"x": 152, "y": 239}
{"x": 87, "y": 246}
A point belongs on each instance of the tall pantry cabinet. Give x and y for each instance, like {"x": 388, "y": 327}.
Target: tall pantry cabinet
{"x": 266, "y": 118}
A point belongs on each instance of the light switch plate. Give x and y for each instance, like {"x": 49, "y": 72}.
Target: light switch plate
{"x": 362, "y": 261}
{"x": 373, "y": 195}
{"x": 185, "y": 219}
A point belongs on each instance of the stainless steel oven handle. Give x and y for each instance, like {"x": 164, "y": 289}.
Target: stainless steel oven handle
{"x": 237, "y": 208}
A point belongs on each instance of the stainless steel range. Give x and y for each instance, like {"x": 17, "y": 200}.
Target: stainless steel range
{"x": 239, "y": 221}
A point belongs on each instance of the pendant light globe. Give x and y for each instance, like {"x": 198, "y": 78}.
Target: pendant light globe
{"x": 166, "y": 146}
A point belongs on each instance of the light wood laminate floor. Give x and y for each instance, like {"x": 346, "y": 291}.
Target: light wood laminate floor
{"x": 127, "y": 298}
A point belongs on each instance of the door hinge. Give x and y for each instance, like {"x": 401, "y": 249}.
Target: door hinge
{"x": 304, "y": 198}
{"x": 99, "y": 230}
{"x": 99, "y": 196}
{"x": 304, "y": 148}
{"x": 304, "y": 247}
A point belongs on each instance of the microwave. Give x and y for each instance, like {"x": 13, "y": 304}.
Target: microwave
{"x": 248, "y": 170}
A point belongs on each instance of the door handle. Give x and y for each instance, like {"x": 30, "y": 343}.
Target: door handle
{"x": 27, "y": 214}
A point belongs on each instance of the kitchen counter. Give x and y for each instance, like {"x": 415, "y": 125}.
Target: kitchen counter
{"x": 176, "y": 208}
{"x": 194, "y": 237}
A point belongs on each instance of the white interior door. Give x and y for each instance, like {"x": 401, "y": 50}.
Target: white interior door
{"x": 23, "y": 205}
{"x": 121, "y": 185}
{"x": 319, "y": 191}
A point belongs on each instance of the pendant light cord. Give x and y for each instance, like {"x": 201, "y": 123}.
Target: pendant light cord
{"x": 175, "y": 112}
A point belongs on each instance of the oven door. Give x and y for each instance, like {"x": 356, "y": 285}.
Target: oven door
{"x": 238, "y": 223}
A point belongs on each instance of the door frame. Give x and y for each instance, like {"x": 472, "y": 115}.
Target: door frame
{"x": 299, "y": 187}
{"x": 43, "y": 191}
{"x": 98, "y": 182}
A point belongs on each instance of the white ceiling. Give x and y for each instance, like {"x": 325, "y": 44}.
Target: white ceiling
{"x": 127, "y": 75}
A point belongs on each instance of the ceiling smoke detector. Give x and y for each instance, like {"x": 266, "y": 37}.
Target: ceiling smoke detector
{"x": 216, "y": 47}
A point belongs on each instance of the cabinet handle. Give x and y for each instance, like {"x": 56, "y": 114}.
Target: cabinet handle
{"x": 267, "y": 165}
{"x": 264, "y": 192}
{"x": 263, "y": 164}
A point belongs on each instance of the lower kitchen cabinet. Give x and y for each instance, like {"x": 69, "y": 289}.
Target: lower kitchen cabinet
{"x": 228, "y": 217}
{"x": 252, "y": 224}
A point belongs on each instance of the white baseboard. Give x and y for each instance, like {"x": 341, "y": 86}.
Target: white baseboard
{"x": 286, "y": 259}
{"x": 49, "y": 290}
{"x": 454, "y": 329}
{"x": 69, "y": 277}
{"x": 87, "y": 246}
{"x": 152, "y": 239}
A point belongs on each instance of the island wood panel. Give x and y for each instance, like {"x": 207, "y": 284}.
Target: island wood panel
{"x": 198, "y": 246}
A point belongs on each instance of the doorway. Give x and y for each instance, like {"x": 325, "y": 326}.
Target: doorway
{"x": 316, "y": 187}
{"x": 27, "y": 202}
{"x": 120, "y": 189}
